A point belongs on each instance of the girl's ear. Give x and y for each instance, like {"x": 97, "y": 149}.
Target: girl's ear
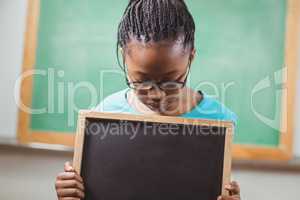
{"x": 121, "y": 50}
{"x": 193, "y": 54}
{"x": 122, "y": 53}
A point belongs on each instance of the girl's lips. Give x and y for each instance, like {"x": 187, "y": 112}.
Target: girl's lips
{"x": 153, "y": 105}
{"x": 156, "y": 106}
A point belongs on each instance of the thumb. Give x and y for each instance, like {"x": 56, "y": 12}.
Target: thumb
{"x": 68, "y": 167}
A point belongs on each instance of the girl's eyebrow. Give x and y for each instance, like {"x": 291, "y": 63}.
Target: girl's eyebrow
{"x": 165, "y": 77}
{"x": 141, "y": 77}
{"x": 174, "y": 79}
{"x": 165, "y": 74}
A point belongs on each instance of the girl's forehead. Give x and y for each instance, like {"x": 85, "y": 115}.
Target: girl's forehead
{"x": 166, "y": 49}
{"x": 160, "y": 59}
{"x": 167, "y": 42}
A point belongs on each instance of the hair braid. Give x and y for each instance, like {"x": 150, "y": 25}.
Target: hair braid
{"x": 156, "y": 20}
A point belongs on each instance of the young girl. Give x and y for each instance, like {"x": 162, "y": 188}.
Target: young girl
{"x": 156, "y": 38}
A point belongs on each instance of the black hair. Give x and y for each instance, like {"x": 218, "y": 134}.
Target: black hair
{"x": 156, "y": 20}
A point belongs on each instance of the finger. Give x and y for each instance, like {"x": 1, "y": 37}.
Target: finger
{"x": 69, "y": 184}
{"x": 68, "y": 167}
{"x": 69, "y": 176}
{"x": 234, "y": 183}
{"x": 70, "y": 192}
{"x": 233, "y": 188}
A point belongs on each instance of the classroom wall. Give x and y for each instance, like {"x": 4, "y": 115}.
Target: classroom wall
{"x": 12, "y": 27}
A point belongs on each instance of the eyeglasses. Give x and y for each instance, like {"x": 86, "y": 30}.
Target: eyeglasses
{"x": 163, "y": 85}
{"x": 166, "y": 86}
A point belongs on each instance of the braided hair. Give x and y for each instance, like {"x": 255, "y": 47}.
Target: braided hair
{"x": 155, "y": 20}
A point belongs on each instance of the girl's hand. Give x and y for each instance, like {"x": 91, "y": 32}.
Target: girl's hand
{"x": 69, "y": 185}
{"x": 234, "y": 192}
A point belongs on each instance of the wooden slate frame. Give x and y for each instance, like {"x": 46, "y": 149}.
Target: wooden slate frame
{"x": 240, "y": 151}
{"x": 83, "y": 115}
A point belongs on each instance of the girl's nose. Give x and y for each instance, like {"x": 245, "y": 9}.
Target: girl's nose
{"x": 156, "y": 94}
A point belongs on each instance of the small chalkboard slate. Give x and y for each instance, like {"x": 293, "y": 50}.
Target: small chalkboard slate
{"x": 138, "y": 157}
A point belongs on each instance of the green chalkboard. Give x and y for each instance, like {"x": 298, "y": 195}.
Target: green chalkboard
{"x": 240, "y": 48}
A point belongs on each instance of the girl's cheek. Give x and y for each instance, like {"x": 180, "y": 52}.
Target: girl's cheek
{"x": 170, "y": 97}
{"x": 142, "y": 96}
{"x": 173, "y": 93}
{"x": 142, "y": 93}
{"x": 170, "y": 100}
